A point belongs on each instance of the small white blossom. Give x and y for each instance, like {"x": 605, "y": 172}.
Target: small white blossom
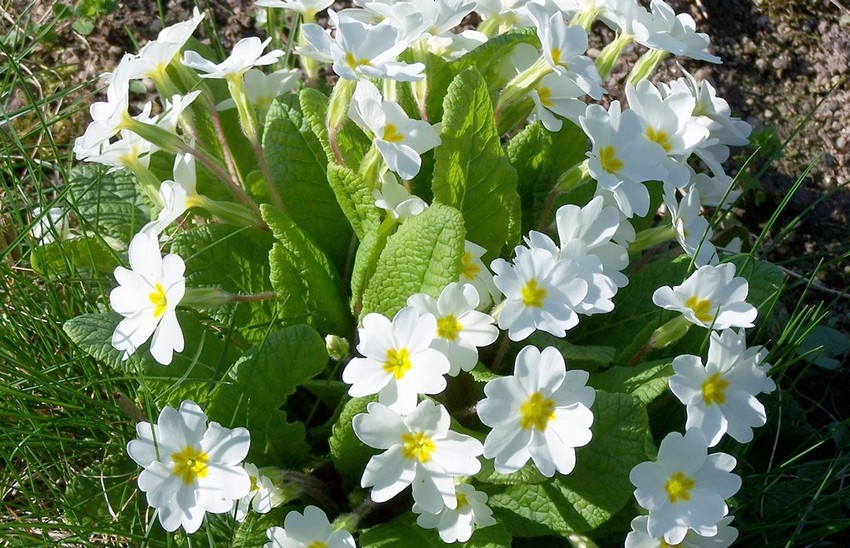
{"x": 394, "y": 198}
{"x": 146, "y": 296}
{"x": 189, "y": 467}
{"x": 663, "y": 29}
{"x": 557, "y": 94}
{"x": 51, "y": 226}
{"x": 261, "y": 498}
{"x": 474, "y": 271}
{"x": 692, "y": 230}
{"x": 419, "y": 450}
{"x": 686, "y": 488}
{"x": 541, "y": 412}
{"x": 307, "y": 8}
{"x": 639, "y": 537}
{"x": 461, "y": 329}
{"x": 177, "y": 196}
{"x": 458, "y": 524}
{"x": 712, "y": 297}
{"x": 310, "y": 530}
{"x": 721, "y": 395}
{"x": 399, "y": 363}
{"x": 246, "y": 54}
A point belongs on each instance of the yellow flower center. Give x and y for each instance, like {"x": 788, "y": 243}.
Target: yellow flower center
{"x": 398, "y": 362}
{"x": 714, "y": 389}
{"x": 158, "y": 300}
{"x": 392, "y": 134}
{"x": 533, "y": 295}
{"x": 545, "y": 95}
{"x": 556, "y": 56}
{"x": 536, "y": 412}
{"x": 679, "y": 487}
{"x": 461, "y": 500}
{"x": 468, "y": 267}
{"x": 317, "y": 544}
{"x": 189, "y": 464}
{"x": 448, "y": 327}
{"x": 664, "y": 544}
{"x": 417, "y": 446}
{"x": 608, "y": 159}
{"x": 254, "y": 486}
{"x": 701, "y": 308}
{"x": 659, "y": 137}
{"x": 354, "y": 63}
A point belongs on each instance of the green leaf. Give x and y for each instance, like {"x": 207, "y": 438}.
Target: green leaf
{"x": 237, "y": 261}
{"x": 258, "y": 384}
{"x": 252, "y": 532}
{"x": 68, "y": 257}
{"x": 645, "y": 381}
{"x": 765, "y": 279}
{"x": 203, "y": 360}
{"x": 527, "y": 475}
{"x": 471, "y": 171}
{"x": 365, "y": 263}
{"x": 403, "y": 532}
{"x": 423, "y": 256}
{"x": 348, "y": 453}
{"x": 355, "y": 198}
{"x": 110, "y": 202}
{"x": 298, "y": 165}
{"x": 824, "y": 347}
{"x": 598, "y": 486}
{"x": 487, "y": 55}
{"x": 308, "y": 287}
{"x": 351, "y": 141}
{"x": 573, "y": 353}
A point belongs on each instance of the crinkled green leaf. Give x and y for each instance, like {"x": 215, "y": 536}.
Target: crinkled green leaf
{"x": 348, "y": 453}
{"x": 352, "y": 143}
{"x": 110, "y": 202}
{"x": 355, "y": 198}
{"x": 204, "y": 359}
{"x": 471, "y": 171}
{"x": 258, "y": 384}
{"x": 365, "y": 263}
{"x": 645, "y": 381}
{"x": 598, "y": 486}
{"x": 423, "y": 256}
{"x": 298, "y": 165}
{"x": 237, "y": 261}
{"x": 307, "y": 285}
{"x": 68, "y": 257}
{"x": 824, "y": 347}
{"x": 573, "y": 353}
{"x": 403, "y": 532}
{"x": 527, "y": 475}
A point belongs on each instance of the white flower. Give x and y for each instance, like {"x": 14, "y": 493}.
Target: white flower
{"x": 261, "y": 497}
{"x": 418, "y": 20}
{"x": 662, "y": 29}
{"x": 453, "y": 46}
{"x": 50, "y": 226}
{"x": 557, "y": 94}
{"x": 457, "y": 524}
{"x": 399, "y": 363}
{"x": 177, "y": 195}
{"x": 721, "y": 395}
{"x": 307, "y": 8}
{"x": 190, "y": 468}
{"x": 247, "y": 53}
{"x": 460, "y": 328}
{"x": 541, "y": 412}
{"x": 622, "y": 158}
{"x": 541, "y": 292}
{"x": 691, "y": 228}
{"x": 358, "y": 49}
{"x": 395, "y": 198}
{"x": 639, "y": 537}
{"x": 711, "y": 297}
{"x": 399, "y": 139}
{"x": 146, "y": 296}
{"x": 474, "y": 271}
{"x": 714, "y": 191}
{"x": 420, "y": 450}
{"x": 667, "y": 121}
{"x": 173, "y": 110}
{"x": 686, "y": 488}
{"x": 156, "y": 55}
{"x": 310, "y": 530}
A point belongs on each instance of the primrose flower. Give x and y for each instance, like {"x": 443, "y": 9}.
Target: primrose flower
{"x": 622, "y": 158}
{"x": 541, "y": 412}
{"x": 460, "y": 328}
{"x": 458, "y": 524}
{"x": 712, "y": 297}
{"x": 474, "y": 271}
{"x": 307, "y": 8}
{"x": 662, "y": 29}
{"x": 639, "y": 537}
{"x": 399, "y": 139}
{"x": 399, "y": 363}
{"x": 395, "y": 198}
{"x": 246, "y": 54}
{"x": 721, "y": 395}
{"x": 177, "y": 195}
{"x": 714, "y": 191}
{"x": 190, "y": 467}
{"x": 147, "y": 296}
{"x": 557, "y": 94}
{"x": 541, "y": 292}
{"x": 155, "y": 56}
{"x": 692, "y": 229}
{"x": 261, "y": 498}
{"x": 359, "y": 49}
{"x": 421, "y": 20}
{"x": 309, "y": 530}
{"x": 50, "y": 225}
{"x": 419, "y": 450}
{"x": 686, "y": 488}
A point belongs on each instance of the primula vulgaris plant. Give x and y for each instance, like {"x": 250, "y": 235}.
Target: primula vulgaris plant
{"x": 519, "y": 269}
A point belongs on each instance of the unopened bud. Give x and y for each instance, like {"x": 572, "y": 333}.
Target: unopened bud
{"x": 338, "y": 347}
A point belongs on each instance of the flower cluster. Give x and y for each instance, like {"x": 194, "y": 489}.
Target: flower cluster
{"x": 432, "y": 364}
